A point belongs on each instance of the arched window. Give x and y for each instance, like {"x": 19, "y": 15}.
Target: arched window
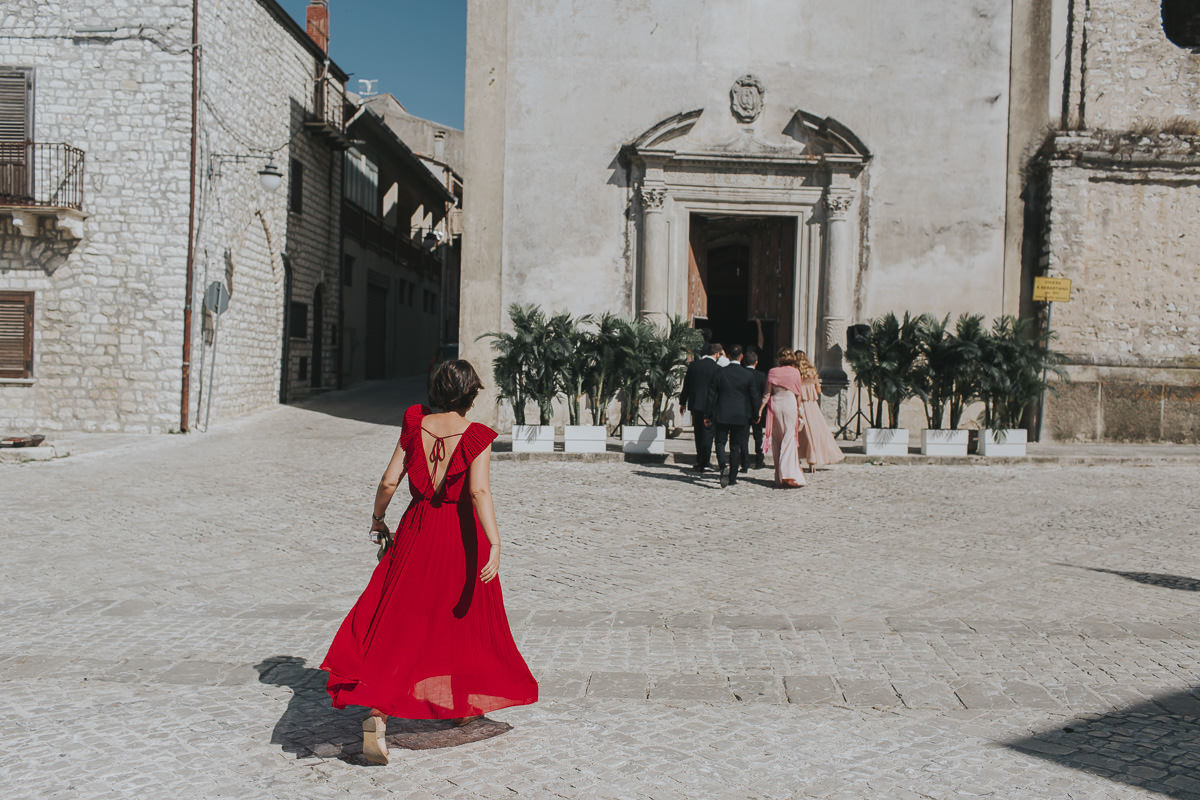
{"x": 1181, "y": 22}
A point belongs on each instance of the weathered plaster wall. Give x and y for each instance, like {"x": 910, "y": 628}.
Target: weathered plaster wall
{"x": 108, "y": 309}
{"x": 925, "y": 87}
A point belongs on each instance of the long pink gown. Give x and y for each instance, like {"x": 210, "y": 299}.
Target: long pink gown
{"x": 817, "y": 445}
{"x": 784, "y": 416}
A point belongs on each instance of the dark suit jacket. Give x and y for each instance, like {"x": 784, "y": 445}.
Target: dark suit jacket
{"x": 732, "y": 398}
{"x": 696, "y": 384}
{"x": 760, "y": 389}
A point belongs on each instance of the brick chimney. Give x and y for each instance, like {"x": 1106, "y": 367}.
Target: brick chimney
{"x": 317, "y": 17}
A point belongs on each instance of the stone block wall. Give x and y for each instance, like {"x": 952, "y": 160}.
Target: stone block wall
{"x": 1123, "y": 70}
{"x": 1121, "y": 214}
{"x": 258, "y": 90}
{"x": 115, "y": 80}
{"x": 108, "y": 322}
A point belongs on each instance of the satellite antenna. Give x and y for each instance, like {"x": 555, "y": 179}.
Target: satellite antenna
{"x": 367, "y": 86}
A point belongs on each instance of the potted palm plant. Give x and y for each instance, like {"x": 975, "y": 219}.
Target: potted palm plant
{"x": 668, "y": 362}
{"x": 1013, "y": 367}
{"x": 941, "y": 360}
{"x": 884, "y": 360}
{"x": 603, "y": 380}
{"x": 579, "y": 368}
{"x": 638, "y": 346}
{"x": 522, "y": 374}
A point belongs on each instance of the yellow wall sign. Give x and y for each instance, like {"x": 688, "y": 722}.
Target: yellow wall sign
{"x": 1052, "y": 290}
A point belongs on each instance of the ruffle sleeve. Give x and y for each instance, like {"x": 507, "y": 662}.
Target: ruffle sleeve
{"x": 475, "y": 439}
{"x": 411, "y": 427}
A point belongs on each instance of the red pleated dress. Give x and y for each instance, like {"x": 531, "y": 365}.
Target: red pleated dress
{"x": 428, "y": 639}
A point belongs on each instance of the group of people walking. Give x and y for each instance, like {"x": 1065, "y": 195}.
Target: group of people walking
{"x": 730, "y": 399}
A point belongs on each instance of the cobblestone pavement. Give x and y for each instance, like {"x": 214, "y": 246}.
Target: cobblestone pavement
{"x": 1004, "y": 632}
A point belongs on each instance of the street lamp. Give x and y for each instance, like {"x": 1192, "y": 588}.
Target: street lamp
{"x": 270, "y": 176}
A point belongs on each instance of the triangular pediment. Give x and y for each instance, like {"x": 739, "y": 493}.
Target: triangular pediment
{"x": 806, "y": 138}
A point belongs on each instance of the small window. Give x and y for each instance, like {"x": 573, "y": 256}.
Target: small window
{"x": 298, "y": 320}
{"x": 347, "y": 270}
{"x": 296, "y": 187}
{"x": 303, "y": 368}
{"x": 412, "y": 293}
{"x": 16, "y": 334}
{"x": 1181, "y": 22}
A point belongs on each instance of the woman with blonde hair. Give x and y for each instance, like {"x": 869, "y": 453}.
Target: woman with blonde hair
{"x": 817, "y": 445}
{"x": 782, "y": 403}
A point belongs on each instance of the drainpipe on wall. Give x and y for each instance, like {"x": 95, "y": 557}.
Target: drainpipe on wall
{"x": 186, "y": 388}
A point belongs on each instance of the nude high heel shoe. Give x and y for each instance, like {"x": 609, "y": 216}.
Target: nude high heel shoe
{"x": 375, "y": 747}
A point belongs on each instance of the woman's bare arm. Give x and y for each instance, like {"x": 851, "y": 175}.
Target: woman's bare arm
{"x": 387, "y": 487}
{"x": 481, "y": 497}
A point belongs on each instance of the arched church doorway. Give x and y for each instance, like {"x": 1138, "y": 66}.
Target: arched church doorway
{"x": 741, "y": 271}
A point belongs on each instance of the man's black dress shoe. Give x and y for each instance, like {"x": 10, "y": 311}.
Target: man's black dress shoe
{"x": 724, "y": 479}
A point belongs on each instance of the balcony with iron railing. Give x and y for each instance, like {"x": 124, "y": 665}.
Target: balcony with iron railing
{"x": 42, "y": 180}
{"x": 329, "y": 111}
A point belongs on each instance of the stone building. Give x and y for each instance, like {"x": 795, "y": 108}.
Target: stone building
{"x": 400, "y": 246}
{"x": 775, "y": 171}
{"x": 136, "y": 145}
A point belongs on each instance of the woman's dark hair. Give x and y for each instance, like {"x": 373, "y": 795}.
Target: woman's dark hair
{"x": 454, "y": 386}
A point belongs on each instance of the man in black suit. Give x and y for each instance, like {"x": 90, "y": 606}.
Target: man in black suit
{"x": 694, "y": 397}
{"x": 750, "y": 360}
{"x": 732, "y": 405}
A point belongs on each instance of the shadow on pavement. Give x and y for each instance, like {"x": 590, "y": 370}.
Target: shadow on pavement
{"x": 311, "y": 726}
{"x": 1151, "y": 745}
{"x": 706, "y": 478}
{"x": 376, "y": 402}
{"x": 1180, "y": 582}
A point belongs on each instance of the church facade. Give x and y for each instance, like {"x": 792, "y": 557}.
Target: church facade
{"x": 778, "y": 170}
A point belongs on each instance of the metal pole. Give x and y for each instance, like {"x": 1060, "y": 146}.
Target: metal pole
{"x": 211, "y": 369}
{"x": 1042, "y": 400}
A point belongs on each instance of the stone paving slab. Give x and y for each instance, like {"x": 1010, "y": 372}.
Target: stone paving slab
{"x": 1009, "y": 632}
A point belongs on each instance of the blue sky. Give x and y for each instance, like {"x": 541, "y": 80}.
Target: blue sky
{"x": 417, "y": 49}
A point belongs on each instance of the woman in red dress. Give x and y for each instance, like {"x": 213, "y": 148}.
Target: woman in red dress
{"x": 428, "y": 638}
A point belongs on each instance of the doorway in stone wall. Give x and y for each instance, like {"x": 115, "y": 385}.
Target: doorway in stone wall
{"x": 376, "y": 344}
{"x": 740, "y": 274}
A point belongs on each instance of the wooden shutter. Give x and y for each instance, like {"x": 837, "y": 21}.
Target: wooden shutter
{"x": 16, "y": 334}
{"x": 16, "y": 105}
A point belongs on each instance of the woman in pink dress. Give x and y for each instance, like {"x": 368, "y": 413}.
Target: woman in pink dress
{"x": 782, "y": 404}
{"x": 817, "y": 445}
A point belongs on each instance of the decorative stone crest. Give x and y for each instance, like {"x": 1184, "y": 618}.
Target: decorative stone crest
{"x": 653, "y": 197}
{"x": 838, "y": 204}
{"x": 746, "y": 98}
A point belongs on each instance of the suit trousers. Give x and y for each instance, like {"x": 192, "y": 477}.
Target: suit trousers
{"x": 756, "y": 430}
{"x": 704, "y": 439}
{"x": 736, "y": 436}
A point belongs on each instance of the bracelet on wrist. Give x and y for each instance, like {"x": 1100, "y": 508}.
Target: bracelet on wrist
{"x": 377, "y": 519}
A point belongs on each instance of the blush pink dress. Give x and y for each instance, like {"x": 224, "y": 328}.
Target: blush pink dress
{"x": 783, "y": 417}
{"x": 817, "y": 445}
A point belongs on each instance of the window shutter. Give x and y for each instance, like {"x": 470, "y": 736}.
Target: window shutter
{"x": 16, "y": 334}
{"x": 15, "y": 105}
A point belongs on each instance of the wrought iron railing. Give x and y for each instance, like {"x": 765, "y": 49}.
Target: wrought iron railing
{"x": 41, "y": 174}
{"x": 330, "y": 104}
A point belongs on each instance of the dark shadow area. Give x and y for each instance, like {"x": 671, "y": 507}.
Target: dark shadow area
{"x": 1179, "y": 582}
{"x": 1153, "y": 745}
{"x": 376, "y": 402}
{"x": 311, "y": 726}
{"x": 707, "y": 478}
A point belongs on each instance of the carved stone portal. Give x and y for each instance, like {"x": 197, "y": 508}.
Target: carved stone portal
{"x": 746, "y": 98}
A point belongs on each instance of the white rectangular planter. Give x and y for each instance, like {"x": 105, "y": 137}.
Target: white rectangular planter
{"x": 1009, "y": 442}
{"x": 942, "y": 442}
{"x": 533, "y": 438}
{"x": 887, "y": 441}
{"x": 644, "y": 439}
{"x": 585, "y": 438}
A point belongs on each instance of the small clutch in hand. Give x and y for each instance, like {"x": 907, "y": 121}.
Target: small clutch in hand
{"x": 383, "y": 539}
